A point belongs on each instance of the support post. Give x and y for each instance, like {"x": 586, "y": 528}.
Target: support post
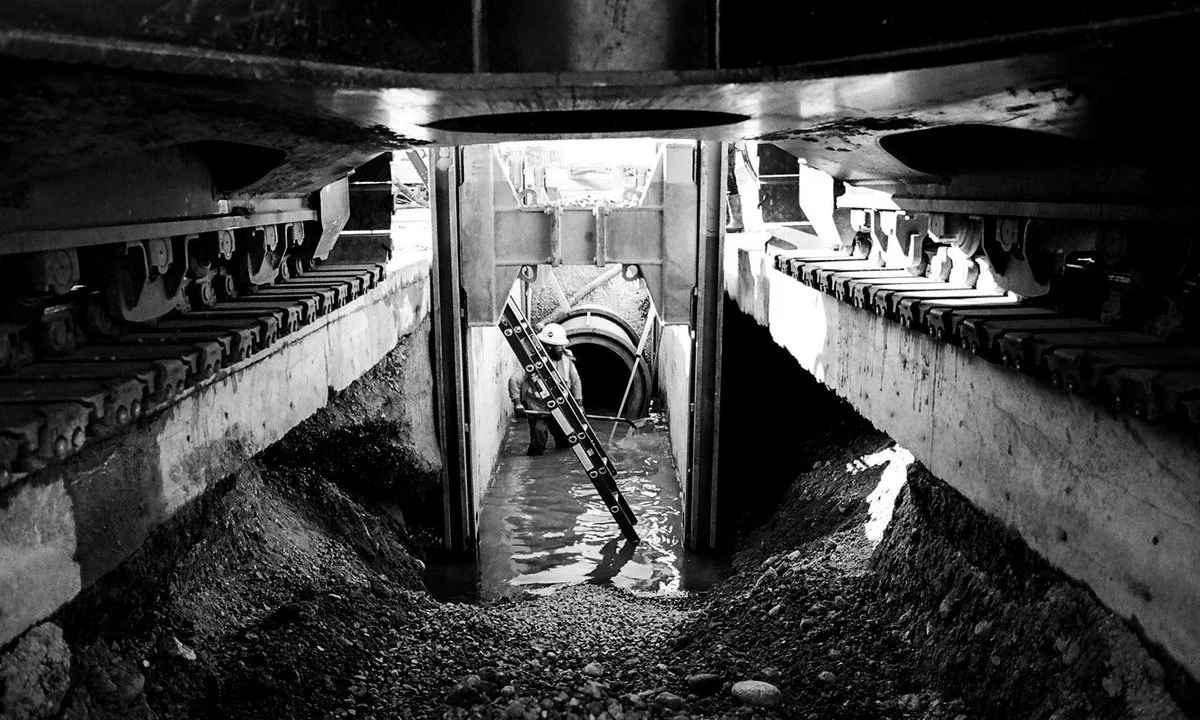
{"x": 703, "y": 495}
{"x": 449, "y": 337}
{"x": 418, "y": 164}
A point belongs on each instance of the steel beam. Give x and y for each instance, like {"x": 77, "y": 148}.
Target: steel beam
{"x": 672, "y": 186}
{"x": 418, "y": 164}
{"x": 66, "y": 238}
{"x": 449, "y": 337}
{"x": 1093, "y": 211}
{"x": 703, "y": 526}
{"x": 483, "y": 194}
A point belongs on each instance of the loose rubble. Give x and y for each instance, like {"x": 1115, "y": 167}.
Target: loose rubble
{"x": 34, "y": 675}
{"x": 295, "y": 600}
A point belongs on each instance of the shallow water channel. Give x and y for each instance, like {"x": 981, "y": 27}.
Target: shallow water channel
{"x": 542, "y": 524}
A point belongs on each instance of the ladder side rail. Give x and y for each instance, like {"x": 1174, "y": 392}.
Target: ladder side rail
{"x": 569, "y": 417}
{"x": 572, "y": 421}
{"x": 558, "y": 393}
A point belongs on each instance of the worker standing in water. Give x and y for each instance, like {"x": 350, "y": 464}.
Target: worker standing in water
{"x": 529, "y": 401}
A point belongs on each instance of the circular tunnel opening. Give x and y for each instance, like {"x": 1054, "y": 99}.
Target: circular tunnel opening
{"x": 605, "y": 348}
{"x": 604, "y": 374}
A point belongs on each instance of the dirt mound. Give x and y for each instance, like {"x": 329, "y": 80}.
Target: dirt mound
{"x": 297, "y": 564}
{"x": 376, "y": 442}
{"x": 293, "y": 590}
{"x": 950, "y": 616}
{"x": 1001, "y": 628}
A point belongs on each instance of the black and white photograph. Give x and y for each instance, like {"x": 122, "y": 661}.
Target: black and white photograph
{"x": 599, "y": 360}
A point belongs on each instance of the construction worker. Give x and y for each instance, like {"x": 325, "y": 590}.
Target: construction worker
{"x": 528, "y": 399}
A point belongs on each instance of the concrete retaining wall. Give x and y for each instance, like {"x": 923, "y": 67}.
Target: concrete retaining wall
{"x": 1112, "y": 501}
{"x": 65, "y": 527}
{"x": 675, "y": 385}
{"x": 490, "y": 363}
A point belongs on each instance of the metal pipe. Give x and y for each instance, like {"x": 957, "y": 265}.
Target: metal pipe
{"x": 564, "y": 305}
{"x": 597, "y": 328}
{"x": 632, "y": 374}
{"x": 583, "y": 292}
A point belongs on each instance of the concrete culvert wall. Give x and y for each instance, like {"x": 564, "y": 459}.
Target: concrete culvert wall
{"x": 605, "y": 348}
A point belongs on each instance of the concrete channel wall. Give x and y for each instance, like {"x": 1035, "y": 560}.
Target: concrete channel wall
{"x": 675, "y": 384}
{"x": 1112, "y": 501}
{"x": 67, "y": 526}
{"x": 490, "y": 364}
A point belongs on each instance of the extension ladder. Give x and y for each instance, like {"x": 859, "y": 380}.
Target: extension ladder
{"x": 566, "y": 412}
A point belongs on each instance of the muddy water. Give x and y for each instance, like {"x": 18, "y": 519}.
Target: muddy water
{"x": 542, "y": 524}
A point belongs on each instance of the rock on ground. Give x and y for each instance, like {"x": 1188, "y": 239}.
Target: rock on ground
{"x": 757, "y": 693}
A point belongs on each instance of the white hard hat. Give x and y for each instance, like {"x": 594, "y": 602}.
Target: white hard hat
{"x": 553, "y": 334}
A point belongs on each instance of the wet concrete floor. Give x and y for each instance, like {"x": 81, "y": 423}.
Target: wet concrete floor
{"x": 543, "y": 526}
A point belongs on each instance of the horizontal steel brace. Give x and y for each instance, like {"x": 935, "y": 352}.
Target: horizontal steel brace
{"x": 1061, "y": 210}
{"x": 38, "y": 240}
{"x": 527, "y": 238}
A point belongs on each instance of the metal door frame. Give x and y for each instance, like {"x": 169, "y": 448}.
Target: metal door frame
{"x": 702, "y": 529}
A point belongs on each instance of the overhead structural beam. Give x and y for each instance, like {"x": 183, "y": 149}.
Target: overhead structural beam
{"x": 655, "y": 239}
{"x": 702, "y": 484}
{"x": 449, "y": 333}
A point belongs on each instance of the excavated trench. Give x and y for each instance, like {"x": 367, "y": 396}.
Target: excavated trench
{"x": 861, "y": 587}
{"x": 542, "y": 525}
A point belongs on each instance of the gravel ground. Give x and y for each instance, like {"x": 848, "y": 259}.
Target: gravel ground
{"x": 629, "y": 300}
{"x": 286, "y": 619}
{"x": 294, "y": 593}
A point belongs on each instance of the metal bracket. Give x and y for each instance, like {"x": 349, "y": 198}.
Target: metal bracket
{"x": 600, "y": 212}
{"x": 555, "y": 212}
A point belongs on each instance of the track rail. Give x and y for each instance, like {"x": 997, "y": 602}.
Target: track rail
{"x": 1134, "y": 372}
{"x": 51, "y": 409}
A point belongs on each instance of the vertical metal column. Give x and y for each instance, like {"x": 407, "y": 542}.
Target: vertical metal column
{"x": 449, "y": 338}
{"x": 708, "y": 317}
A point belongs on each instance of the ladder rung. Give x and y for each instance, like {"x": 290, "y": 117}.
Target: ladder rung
{"x": 567, "y": 414}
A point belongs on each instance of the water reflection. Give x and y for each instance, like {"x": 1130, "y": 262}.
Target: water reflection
{"x": 542, "y": 524}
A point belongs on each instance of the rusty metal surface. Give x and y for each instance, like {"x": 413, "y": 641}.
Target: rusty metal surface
{"x": 1084, "y": 82}
{"x": 583, "y": 35}
{"x": 706, "y": 527}
{"x": 460, "y": 529}
{"x": 63, "y": 120}
{"x": 445, "y": 37}
{"x": 378, "y": 33}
